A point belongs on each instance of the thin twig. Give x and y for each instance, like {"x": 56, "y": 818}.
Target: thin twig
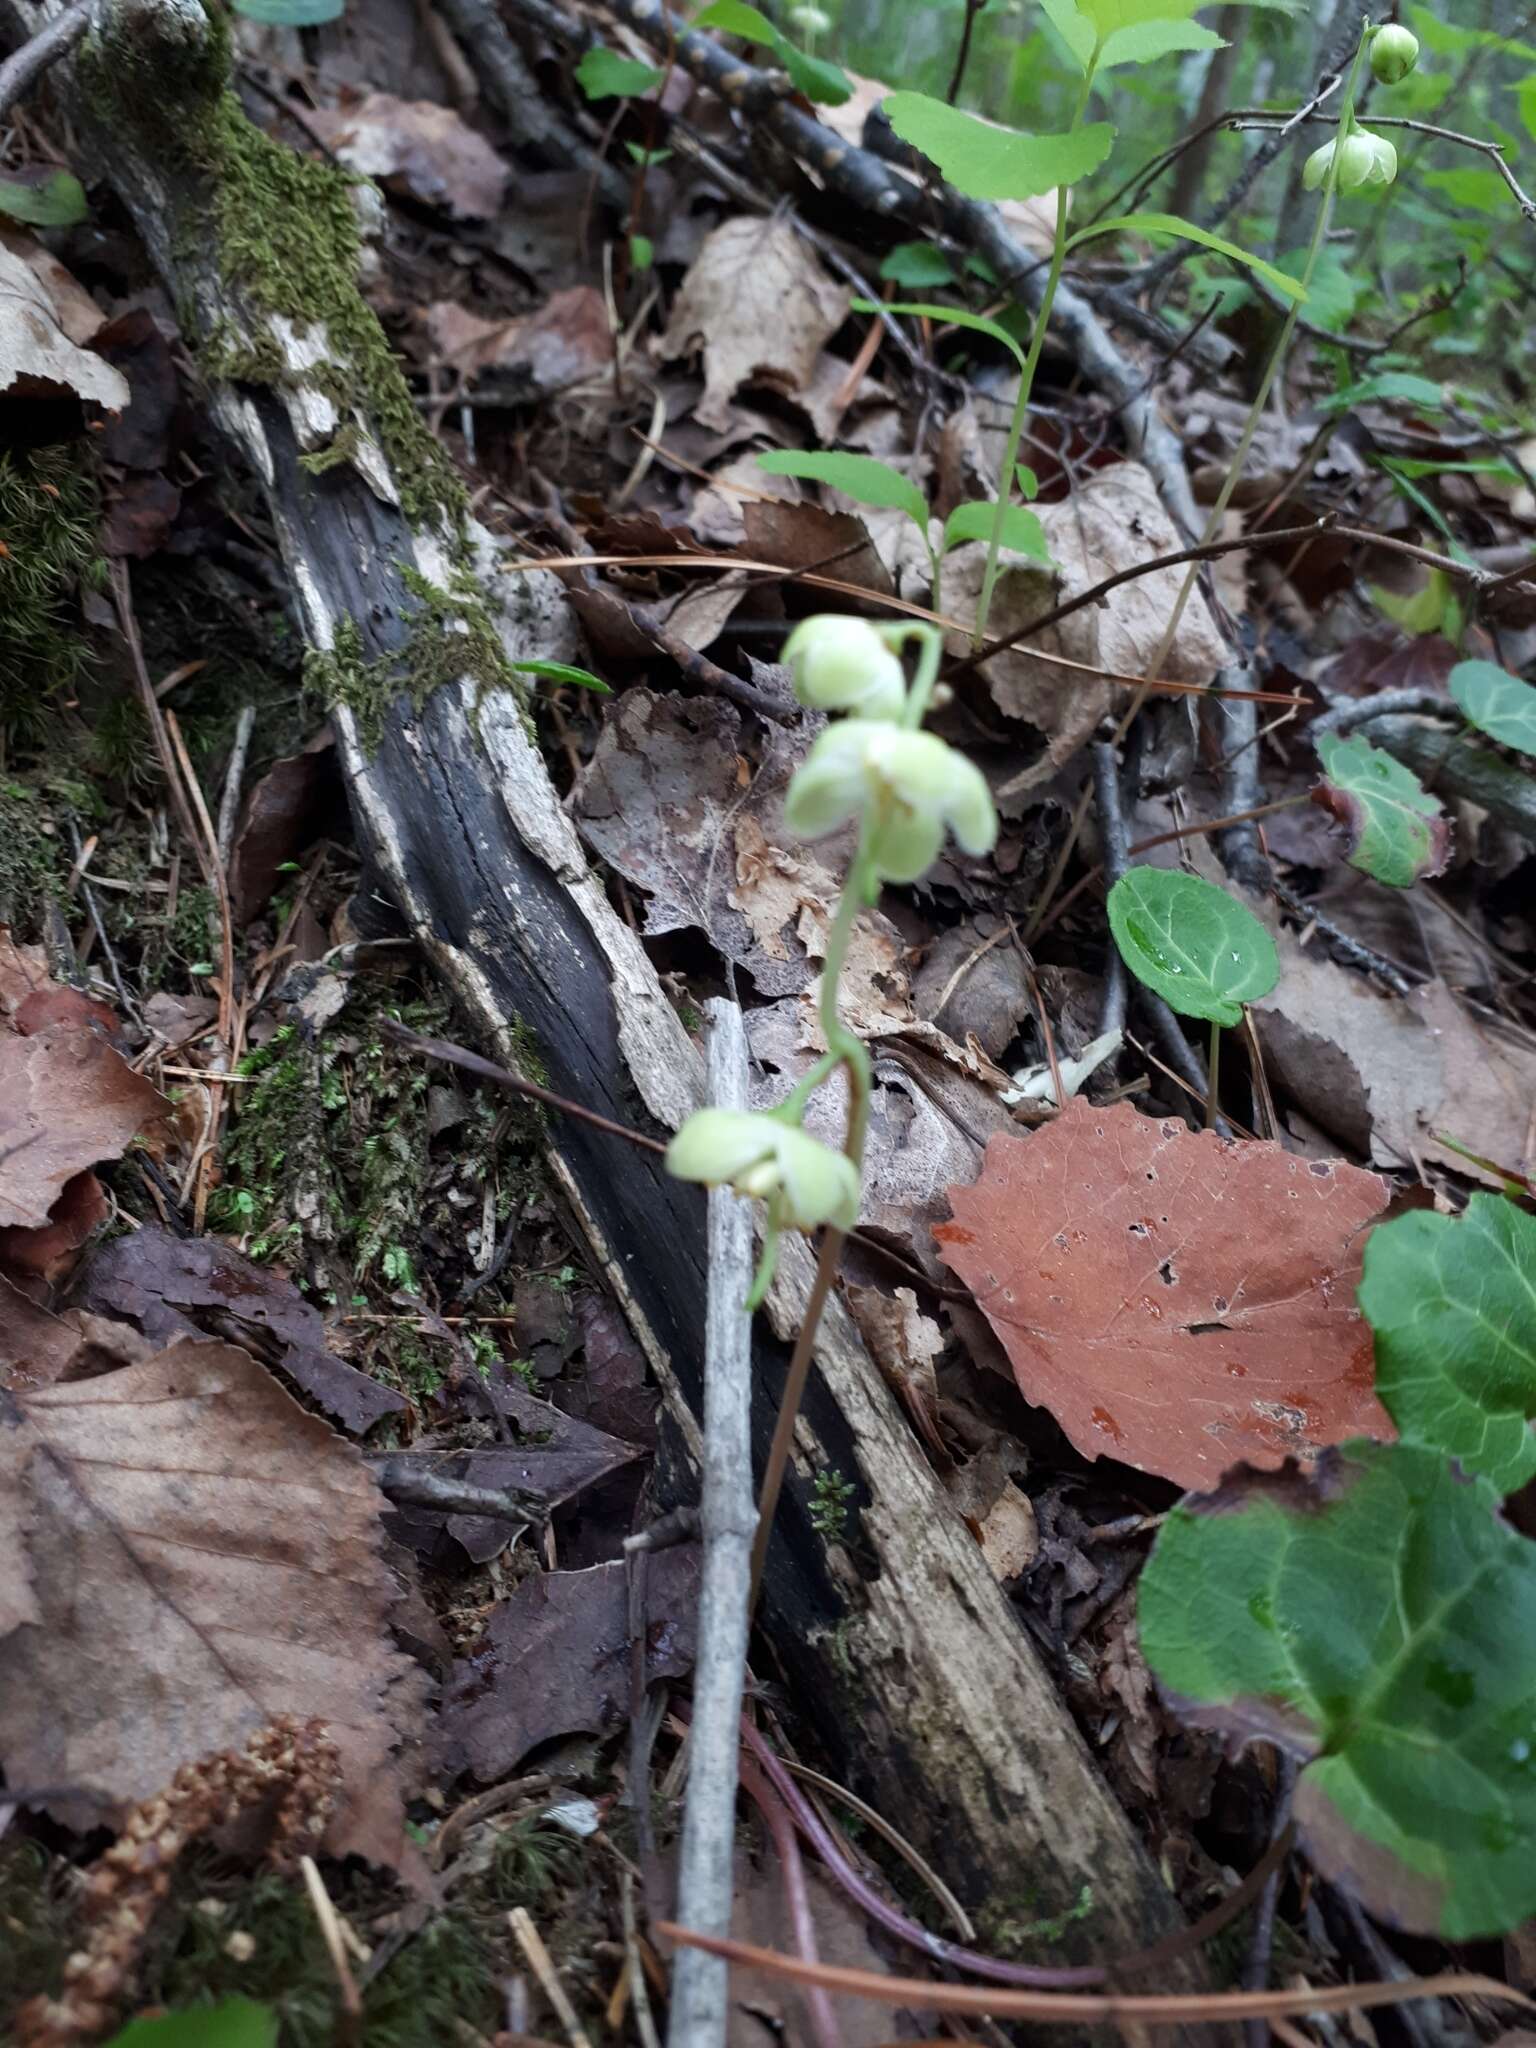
{"x": 1112, "y": 832}
{"x": 531, "y": 1942}
{"x": 408, "y": 1486}
{"x": 349, "y": 2028}
{"x": 1072, "y": 2007}
{"x": 797, "y": 1900}
{"x": 699, "y": 2008}
{"x": 234, "y": 775}
{"x": 1256, "y": 1963}
{"x": 27, "y": 64}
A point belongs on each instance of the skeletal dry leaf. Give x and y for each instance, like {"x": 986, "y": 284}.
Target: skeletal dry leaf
{"x": 758, "y": 304}
{"x": 429, "y": 150}
{"x": 1112, "y": 521}
{"x": 1177, "y": 1301}
{"x": 188, "y": 1554}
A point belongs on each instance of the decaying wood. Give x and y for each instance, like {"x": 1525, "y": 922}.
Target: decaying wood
{"x": 896, "y": 1640}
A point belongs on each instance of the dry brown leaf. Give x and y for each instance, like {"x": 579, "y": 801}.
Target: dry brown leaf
{"x": 38, "y": 1348}
{"x": 37, "y": 355}
{"x": 668, "y": 801}
{"x": 904, "y": 1343}
{"x": 567, "y": 340}
{"x": 428, "y": 149}
{"x": 1384, "y": 1073}
{"x": 189, "y": 1553}
{"x": 67, "y": 1100}
{"x": 760, "y": 306}
{"x": 1176, "y": 1301}
{"x": 73, "y": 307}
{"x": 1112, "y": 522}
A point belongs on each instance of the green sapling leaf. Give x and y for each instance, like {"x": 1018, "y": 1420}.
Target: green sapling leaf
{"x": 1397, "y": 830}
{"x": 952, "y": 316}
{"x": 813, "y": 76}
{"x": 856, "y": 476}
{"x": 562, "y": 672}
{"x": 1452, "y": 1300}
{"x": 1192, "y": 943}
{"x": 1022, "y": 531}
{"x": 1496, "y": 702}
{"x": 1182, "y": 230}
{"x": 988, "y": 162}
{"x": 606, "y": 75}
{"x": 1377, "y": 1620}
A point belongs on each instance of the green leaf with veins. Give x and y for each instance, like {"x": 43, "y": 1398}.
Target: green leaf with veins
{"x": 1192, "y": 943}
{"x": 1397, "y": 830}
{"x": 988, "y": 162}
{"x": 605, "y": 75}
{"x": 856, "y": 476}
{"x": 1452, "y": 1300}
{"x": 1022, "y": 531}
{"x": 1289, "y": 288}
{"x": 1134, "y": 42}
{"x": 1496, "y": 702}
{"x": 1377, "y": 1620}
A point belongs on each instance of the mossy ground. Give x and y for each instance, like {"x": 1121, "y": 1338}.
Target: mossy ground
{"x": 228, "y": 1931}
{"x": 49, "y": 516}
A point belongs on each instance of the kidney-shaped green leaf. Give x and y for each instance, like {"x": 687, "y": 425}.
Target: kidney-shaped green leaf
{"x": 988, "y": 162}
{"x": 1452, "y": 1300}
{"x": 1378, "y": 1619}
{"x": 1496, "y": 702}
{"x": 1397, "y": 831}
{"x": 949, "y": 316}
{"x": 1022, "y": 531}
{"x": 44, "y": 198}
{"x": 1192, "y": 943}
{"x": 856, "y": 476}
{"x": 236, "y": 2023}
{"x": 606, "y": 75}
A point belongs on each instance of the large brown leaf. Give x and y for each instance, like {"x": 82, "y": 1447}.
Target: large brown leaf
{"x": 188, "y": 1553}
{"x": 1176, "y": 1301}
{"x": 67, "y": 1100}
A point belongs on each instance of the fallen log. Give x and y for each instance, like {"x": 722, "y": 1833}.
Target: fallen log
{"x": 898, "y": 1644}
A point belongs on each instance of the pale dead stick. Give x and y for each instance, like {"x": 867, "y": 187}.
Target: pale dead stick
{"x": 336, "y": 1948}
{"x": 531, "y": 1942}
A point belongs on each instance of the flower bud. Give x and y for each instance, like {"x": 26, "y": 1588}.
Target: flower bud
{"x": 1364, "y": 159}
{"x": 812, "y": 21}
{"x": 913, "y": 784}
{"x": 842, "y": 664}
{"x": 1394, "y": 52}
{"x": 805, "y": 1182}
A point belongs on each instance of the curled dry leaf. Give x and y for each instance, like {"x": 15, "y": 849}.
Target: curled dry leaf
{"x": 429, "y": 150}
{"x": 1176, "y": 1301}
{"x": 1111, "y": 522}
{"x": 567, "y": 340}
{"x": 190, "y": 1553}
{"x": 186, "y": 1287}
{"x": 761, "y": 308}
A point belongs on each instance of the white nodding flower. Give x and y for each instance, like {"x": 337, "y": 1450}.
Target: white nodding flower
{"x": 1394, "y": 53}
{"x": 804, "y": 1182}
{"x": 843, "y": 664}
{"x": 813, "y": 21}
{"x": 1364, "y": 160}
{"x": 915, "y": 785}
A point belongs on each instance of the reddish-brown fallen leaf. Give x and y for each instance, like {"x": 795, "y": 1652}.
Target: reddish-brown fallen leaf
{"x": 429, "y": 151}
{"x": 67, "y": 1100}
{"x": 1176, "y": 1301}
{"x": 188, "y": 1553}
{"x": 39, "y": 1260}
